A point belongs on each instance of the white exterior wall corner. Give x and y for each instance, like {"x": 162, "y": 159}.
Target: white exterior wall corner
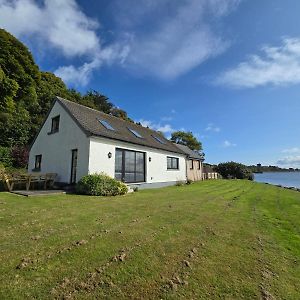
{"x": 56, "y": 148}
{"x": 156, "y": 170}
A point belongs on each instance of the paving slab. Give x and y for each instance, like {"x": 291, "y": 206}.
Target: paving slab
{"x": 38, "y": 192}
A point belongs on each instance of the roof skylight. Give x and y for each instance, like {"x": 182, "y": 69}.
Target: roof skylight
{"x": 158, "y": 139}
{"x": 106, "y": 124}
{"x": 135, "y": 133}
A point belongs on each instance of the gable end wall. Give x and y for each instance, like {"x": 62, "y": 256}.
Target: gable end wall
{"x": 56, "y": 148}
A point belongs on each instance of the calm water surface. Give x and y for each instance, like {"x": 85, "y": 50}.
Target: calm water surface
{"x": 288, "y": 179}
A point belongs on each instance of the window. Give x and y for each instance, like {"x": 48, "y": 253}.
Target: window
{"x": 158, "y": 139}
{"x": 106, "y": 124}
{"x": 129, "y": 166}
{"x": 74, "y": 166}
{"x": 55, "y": 125}
{"x": 135, "y": 133}
{"x": 199, "y": 165}
{"x": 191, "y": 164}
{"x": 38, "y": 162}
{"x": 172, "y": 163}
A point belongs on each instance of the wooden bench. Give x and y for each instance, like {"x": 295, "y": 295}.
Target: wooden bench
{"x": 47, "y": 179}
{"x": 28, "y": 179}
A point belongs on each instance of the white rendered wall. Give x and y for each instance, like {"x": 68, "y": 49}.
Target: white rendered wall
{"x": 156, "y": 170}
{"x": 56, "y": 148}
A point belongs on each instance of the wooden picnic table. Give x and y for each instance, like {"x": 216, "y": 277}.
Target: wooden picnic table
{"x": 28, "y": 179}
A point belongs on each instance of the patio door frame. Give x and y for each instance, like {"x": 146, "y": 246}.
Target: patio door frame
{"x": 123, "y": 171}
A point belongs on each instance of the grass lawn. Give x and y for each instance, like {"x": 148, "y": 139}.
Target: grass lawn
{"x": 209, "y": 240}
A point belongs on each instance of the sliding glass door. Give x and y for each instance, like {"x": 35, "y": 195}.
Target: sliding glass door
{"x": 129, "y": 166}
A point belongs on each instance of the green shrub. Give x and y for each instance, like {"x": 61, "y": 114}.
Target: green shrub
{"x": 100, "y": 185}
{"x": 233, "y": 170}
{"x": 5, "y": 156}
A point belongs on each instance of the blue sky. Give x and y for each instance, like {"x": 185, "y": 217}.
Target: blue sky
{"x": 227, "y": 70}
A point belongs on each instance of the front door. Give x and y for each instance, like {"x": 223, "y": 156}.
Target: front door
{"x": 73, "y": 166}
{"x": 130, "y": 166}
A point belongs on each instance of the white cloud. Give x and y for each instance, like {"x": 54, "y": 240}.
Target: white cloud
{"x": 276, "y": 66}
{"x": 180, "y": 37}
{"x": 167, "y": 128}
{"x": 58, "y": 23}
{"x": 63, "y": 26}
{"x": 212, "y": 127}
{"x": 227, "y": 144}
{"x": 150, "y": 37}
{"x": 291, "y": 150}
{"x": 82, "y": 74}
{"x": 290, "y": 161}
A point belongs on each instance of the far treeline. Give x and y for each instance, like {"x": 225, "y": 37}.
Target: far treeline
{"x": 262, "y": 169}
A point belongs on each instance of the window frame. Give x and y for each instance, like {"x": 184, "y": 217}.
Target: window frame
{"x": 199, "y": 165}
{"x": 38, "y": 163}
{"x": 172, "y": 158}
{"x": 123, "y": 167}
{"x": 192, "y": 164}
{"x": 55, "y": 129}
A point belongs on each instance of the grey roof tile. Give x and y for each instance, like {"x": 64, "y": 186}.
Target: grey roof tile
{"x": 88, "y": 119}
{"x": 189, "y": 152}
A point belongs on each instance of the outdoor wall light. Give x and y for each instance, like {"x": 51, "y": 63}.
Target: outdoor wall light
{"x": 109, "y": 154}
{"x": 149, "y": 158}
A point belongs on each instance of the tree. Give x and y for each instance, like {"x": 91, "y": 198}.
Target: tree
{"x": 120, "y": 113}
{"x": 97, "y": 101}
{"x": 187, "y": 139}
{"x": 234, "y": 170}
{"x": 26, "y": 94}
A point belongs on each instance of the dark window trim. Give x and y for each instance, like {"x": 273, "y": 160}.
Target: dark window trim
{"x": 54, "y": 130}
{"x": 123, "y": 150}
{"x": 37, "y": 166}
{"x": 172, "y": 159}
{"x": 73, "y": 174}
{"x": 199, "y": 165}
{"x": 192, "y": 165}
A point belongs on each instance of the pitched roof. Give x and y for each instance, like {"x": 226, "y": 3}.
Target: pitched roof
{"x": 90, "y": 121}
{"x": 208, "y": 169}
{"x": 189, "y": 152}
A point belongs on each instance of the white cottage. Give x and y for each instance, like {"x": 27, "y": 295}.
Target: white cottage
{"x": 75, "y": 140}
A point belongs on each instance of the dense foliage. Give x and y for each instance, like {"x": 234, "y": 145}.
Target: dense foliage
{"x": 26, "y": 94}
{"x": 234, "y": 170}
{"x": 100, "y": 185}
{"x": 187, "y": 139}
